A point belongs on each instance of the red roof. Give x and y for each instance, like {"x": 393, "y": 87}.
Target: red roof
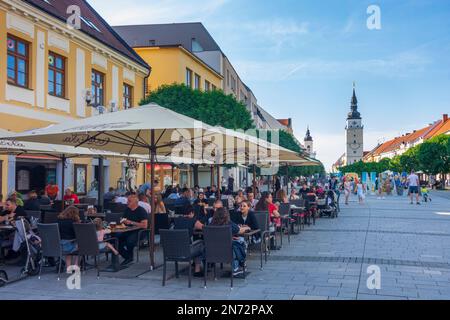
{"x": 105, "y": 34}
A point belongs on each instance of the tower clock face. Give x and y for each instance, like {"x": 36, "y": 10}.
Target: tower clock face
{"x": 355, "y": 146}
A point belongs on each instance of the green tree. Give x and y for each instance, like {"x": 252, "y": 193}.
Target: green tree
{"x": 214, "y": 107}
{"x": 433, "y": 155}
{"x": 409, "y": 160}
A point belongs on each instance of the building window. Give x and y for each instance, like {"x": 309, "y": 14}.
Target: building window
{"x": 228, "y": 78}
{"x": 189, "y": 78}
{"x": 197, "y": 82}
{"x": 207, "y": 86}
{"x": 98, "y": 91}
{"x": 18, "y": 61}
{"x": 56, "y": 75}
{"x": 127, "y": 96}
{"x": 213, "y": 87}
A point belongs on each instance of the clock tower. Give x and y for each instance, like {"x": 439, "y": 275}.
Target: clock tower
{"x": 355, "y": 133}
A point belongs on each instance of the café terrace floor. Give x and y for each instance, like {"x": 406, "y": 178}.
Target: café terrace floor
{"x": 409, "y": 243}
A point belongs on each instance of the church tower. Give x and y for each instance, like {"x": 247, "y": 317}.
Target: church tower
{"x": 309, "y": 144}
{"x": 355, "y": 133}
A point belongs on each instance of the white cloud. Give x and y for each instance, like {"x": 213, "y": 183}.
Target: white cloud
{"x": 156, "y": 11}
{"x": 400, "y": 65}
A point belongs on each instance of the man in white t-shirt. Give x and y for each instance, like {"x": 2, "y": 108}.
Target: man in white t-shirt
{"x": 413, "y": 183}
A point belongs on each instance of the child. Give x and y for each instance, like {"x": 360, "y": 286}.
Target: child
{"x": 361, "y": 195}
{"x": 424, "y": 191}
{"x": 101, "y": 232}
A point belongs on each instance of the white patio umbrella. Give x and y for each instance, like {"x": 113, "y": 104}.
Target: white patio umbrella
{"x": 146, "y": 130}
{"x": 61, "y": 152}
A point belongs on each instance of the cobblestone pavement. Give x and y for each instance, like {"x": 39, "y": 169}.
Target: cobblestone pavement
{"x": 410, "y": 244}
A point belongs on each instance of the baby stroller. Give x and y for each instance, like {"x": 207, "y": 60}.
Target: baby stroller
{"x": 330, "y": 207}
{"x": 27, "y": 244}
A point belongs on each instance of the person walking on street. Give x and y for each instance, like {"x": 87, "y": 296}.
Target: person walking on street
{"x": 413, "y": 183}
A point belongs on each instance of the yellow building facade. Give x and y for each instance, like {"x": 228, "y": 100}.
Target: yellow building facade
{"x": 47, "y": 71}
{"x": 177, "y": 65}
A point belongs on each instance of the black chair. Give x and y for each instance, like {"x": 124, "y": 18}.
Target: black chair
{"x": 89, "y": 201}
{"x": 36, "y": 215}
{"x": 50, "y": 217}
{"x": 263, "y": 222}
{"x": 57, "y": 205}
{"x": 113, "y": 217}
{"x": 161, "y": 222}
{"x": 46, "y": 207}
{"x": 177, "y": 248}
{"x": 82, "y": 215}
{"x": 218, "y": 247}
{"x": 183, "y": 223}
{"x": 50, "y": 245}
{"x": 169, "y": 204}
{"x": 180, "y": 210}
{"x": 118, "y": 207}
{"x": 141, "y": 238}
{"x": 88, "y": 244}
{"x": 273, "y": 234}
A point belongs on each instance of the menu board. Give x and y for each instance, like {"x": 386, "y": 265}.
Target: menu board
{"x": 23, "y": 180}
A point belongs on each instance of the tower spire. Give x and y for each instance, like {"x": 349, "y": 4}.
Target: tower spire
{"x": 308, "y": 135}
{"x": 354, "y": 114}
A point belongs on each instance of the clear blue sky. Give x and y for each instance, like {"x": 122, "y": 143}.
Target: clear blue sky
{"x": 301, "y": 57}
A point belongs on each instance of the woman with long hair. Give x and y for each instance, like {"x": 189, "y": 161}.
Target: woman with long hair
{"x": 66, "y": 219}
{"x": 160, "y": 207}
{"x": 222, "y": 218}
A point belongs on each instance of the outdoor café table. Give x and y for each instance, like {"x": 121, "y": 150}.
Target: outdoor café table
{"x": 96, "y": 215}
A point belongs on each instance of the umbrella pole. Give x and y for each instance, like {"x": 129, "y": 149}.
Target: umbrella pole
{"x": 211, "y": 181}
{"x": 63, "y": 171}
{"x": 287, "y": 179}
{"x": 173, "y": 174}
{"x": 218, "y": 183}
{"x": 254, "y": 180}
{"x": 152, "y": 178}
{"x": 101, "y": 184}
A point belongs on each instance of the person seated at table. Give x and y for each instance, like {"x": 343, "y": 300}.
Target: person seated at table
{"x": 293, "y": 196}
{"x": 201, "y": 203}
{"x": 221, "y": 218}
{"x": 122, "y": 199}
{"x": 246, "y": 216}
{"x": 71, "y": 197}
{"x": 304, "y": 191}
{"x": 240, "y": 197}
{"x": 283, "y": 196}
{"x": 32, "y": 203}
{"x": 266, "y": 204}
{"x": 184, "y": 200}
{"x": 52, "y": 190}
{"x": 251, "y": 198}
{"x": 212, "y": 193}
{"x": 101, "y": 233}
{"x": 11, "y": 212}
{"x": 44, "y": 200}
{"x": 143, "y": 202}
{"x": 109, "y": 196}
{"x": 160, "y": 207}
{"x": 227, "y": 195}
{"x": 91, "y": 211}
{"x": 17, "y": 198}
{"x": 134, "y": 216}
{"x": 174, "y": 194}
{"x": 66, "y": 219}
